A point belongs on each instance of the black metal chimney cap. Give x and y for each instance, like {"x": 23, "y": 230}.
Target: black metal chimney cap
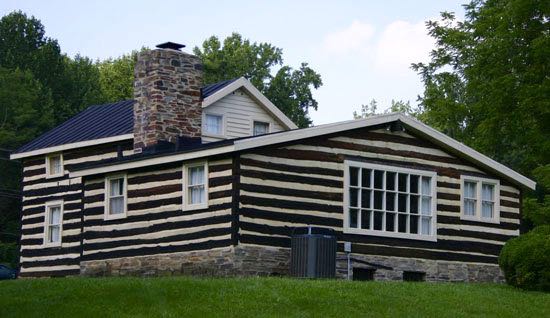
{"x": 171, "y": 45}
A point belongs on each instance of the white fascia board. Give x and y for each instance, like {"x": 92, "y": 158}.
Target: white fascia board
{"x": 468, "y": 152}
{"x": 294, "y": 135}
{"x": 312, "y": 132}
{"x": 256, "y": 95}
{"x": 73, "y": 145}
{"x": 152, "y": 161}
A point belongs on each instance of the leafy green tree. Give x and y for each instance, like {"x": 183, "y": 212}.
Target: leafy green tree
{"x": 117, "y": 77}
{"x": 25, "y": 108}
{"x": 487, "y": 82}
{"x": 396, "y": 106}
{"x": 290, "y": 89}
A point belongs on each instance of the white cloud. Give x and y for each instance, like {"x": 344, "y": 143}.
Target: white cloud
{"x": 400, "y": 44}
{"x": 354, "y": 38}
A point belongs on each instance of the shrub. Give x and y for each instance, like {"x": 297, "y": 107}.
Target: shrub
{"x": 9, "y": 254}
{"x": 525, "y": 260}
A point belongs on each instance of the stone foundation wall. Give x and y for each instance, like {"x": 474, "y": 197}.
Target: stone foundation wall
{"x": 442, "y": 271}
{"x": 251, "y": 260}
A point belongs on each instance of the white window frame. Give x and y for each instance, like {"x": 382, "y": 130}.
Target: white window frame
{"x": 51, "y": 204}
{"x": 108, "y": 215}
{"x": 383, "y": 233}
{"x": 49, "y": 174}
{"x": 254, "y": 121}
{"x": 479, "y": 200}
{"x": 185, "y": 205}
{"x": 209, "y": 134}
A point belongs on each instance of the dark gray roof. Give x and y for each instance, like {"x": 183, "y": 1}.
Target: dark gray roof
{"x": 212, "y": 88}
{"x": 99, "y": 121}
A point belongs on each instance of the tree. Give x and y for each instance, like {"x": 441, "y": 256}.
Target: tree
{"x": 25, "y": 107}
{"x": 487, "y": 82}
{"x": 117, "y": 77}
{"x": 398, "y": 106}
{"x": 290, "y": 89}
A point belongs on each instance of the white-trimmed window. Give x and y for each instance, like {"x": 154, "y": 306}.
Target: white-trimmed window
{"x": 213, "y": 124}
{"x": 260, "y": 128}
{"x": 389, "y": 201}
{"x": 53, "y": 223}
{"x": 195, "y": 193}
{"x": 115, "y": 196}
{"x": 54, "y": 165}
{"x": 480, "y": 199}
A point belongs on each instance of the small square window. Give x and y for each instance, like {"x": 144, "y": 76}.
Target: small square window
{"x": 260, "y": 128}
{"x": 213, "y": 124}
{"x": 115, "y": 197}
{"x": 409, "y": 276}
{"x": 54, "y": 166}
{"x": 363, "y": 274}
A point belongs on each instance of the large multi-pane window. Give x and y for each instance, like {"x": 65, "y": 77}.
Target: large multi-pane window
{"x": 389, "y": 201}
{"x": 115, "y": 197}
{"x": 480, "y": 199}
{"x": 196, "y": 186}
{"x": 53, "y": 223}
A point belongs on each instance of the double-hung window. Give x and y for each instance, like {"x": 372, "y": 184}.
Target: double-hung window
{"x": 53, "y": 226}
{"x": 389, "y": 201}
{"x": 480, "y": 199}
{"x": 54, "y": 166}
{"x": 260, "y": 128}
{"x": 213, "y": 124}
{"x": 195, "y": 194}
{"x": 115, "y": 196}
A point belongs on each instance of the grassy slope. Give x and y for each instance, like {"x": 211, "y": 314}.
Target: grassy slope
{"x": 252, "y": 297}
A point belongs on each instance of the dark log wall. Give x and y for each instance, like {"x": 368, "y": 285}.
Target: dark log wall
{"x": 302, "y": 184}
{"x": 37, "y": 260}
{"x": 155, "y": 222}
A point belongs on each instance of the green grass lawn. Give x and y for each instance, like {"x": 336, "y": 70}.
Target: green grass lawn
{"x": 265, "y": 297}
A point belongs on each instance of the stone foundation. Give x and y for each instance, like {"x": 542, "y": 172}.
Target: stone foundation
{"x": 435, "y": 271}
{"x": 248, "y": 260}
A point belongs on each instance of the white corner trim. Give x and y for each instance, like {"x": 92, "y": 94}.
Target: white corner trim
{"x": 256, "y": 95}
{"x": 73, "y": 145}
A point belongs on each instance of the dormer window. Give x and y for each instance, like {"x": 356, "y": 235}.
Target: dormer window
{"x": 213, "y": 124}
{"x": 54, "y": 166}
{"x": 260, "y": 128}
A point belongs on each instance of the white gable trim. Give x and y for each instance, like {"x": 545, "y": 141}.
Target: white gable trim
{"x": 293, "y": 135}
{"x": 73, "y": 145}
{"x": 256, "y": 95}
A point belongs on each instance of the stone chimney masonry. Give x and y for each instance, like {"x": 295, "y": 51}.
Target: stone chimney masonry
{"x": 167, "y": 90}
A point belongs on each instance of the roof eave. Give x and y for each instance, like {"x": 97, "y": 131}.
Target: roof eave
{"x": 80, "y": 144}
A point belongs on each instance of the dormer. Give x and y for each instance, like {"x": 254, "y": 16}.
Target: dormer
{"x": 235, "y": 109}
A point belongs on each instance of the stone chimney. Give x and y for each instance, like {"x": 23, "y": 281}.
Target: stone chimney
{"x": 167, "y": 90}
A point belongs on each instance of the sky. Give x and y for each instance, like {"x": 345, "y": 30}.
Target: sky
{"x": 362, "y": 49}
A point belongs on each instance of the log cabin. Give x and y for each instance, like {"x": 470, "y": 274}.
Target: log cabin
{"x": 200, "y": 179}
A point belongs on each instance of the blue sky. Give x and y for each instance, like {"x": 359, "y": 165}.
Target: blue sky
{"x": 362, "y": 49}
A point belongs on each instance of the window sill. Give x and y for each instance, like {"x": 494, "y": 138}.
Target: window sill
{"x": 480, "y": 220}
{"x": 195, "y": 207}
{"x": 398, "y": 235}
{"x": 114, "y": 216}
{"x": 54, "y": 176}
{"x": 52, "y": 245}
{"x": 206, "y": 134}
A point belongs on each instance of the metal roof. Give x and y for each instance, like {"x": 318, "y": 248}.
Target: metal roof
{"x": 99, "y": 121}
{"x": 212, "y": 88}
